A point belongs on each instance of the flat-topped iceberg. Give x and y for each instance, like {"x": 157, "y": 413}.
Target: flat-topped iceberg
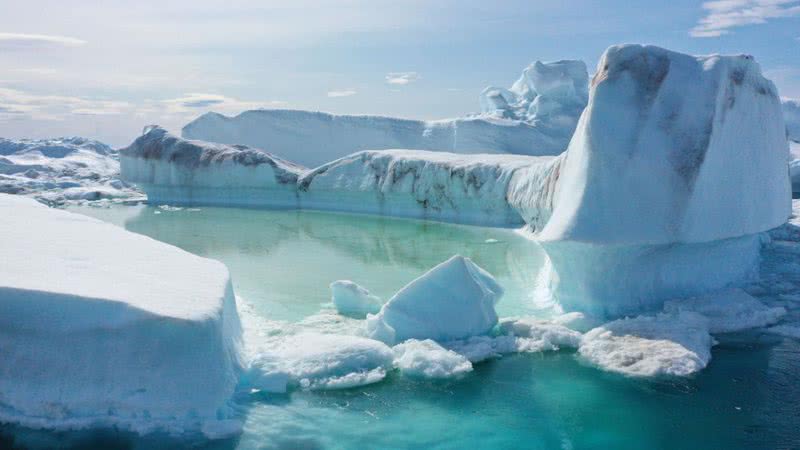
{"x": 454, "y": 300}
{"x": 103, "y": 327}
{"x": 441, "y": 186}
{"x": 535, "y": 117}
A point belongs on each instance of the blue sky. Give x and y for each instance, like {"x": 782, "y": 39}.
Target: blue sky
{"x": 106, "y": 69}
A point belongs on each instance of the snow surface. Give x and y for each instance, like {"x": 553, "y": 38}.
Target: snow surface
{"x": 62, "y": 170}
{"x": 668, "y": 150}
{"x": 453, "y": 300}
{"x": 103, "y": 327}
{"x": 472, "y": 189}
{"x": 539, "y": 120}
{"x": 351, "y": 299}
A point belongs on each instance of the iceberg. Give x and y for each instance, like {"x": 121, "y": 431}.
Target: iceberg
{"x": 667, "y": 181}
{"x": 351, "y": 299}
{"x": 453, "y": 300}
{"x": 536, "y": 117}
{"x": 103, "y": 327}
{"x": 62, "y": 170}
{"x": 441, "y": 186}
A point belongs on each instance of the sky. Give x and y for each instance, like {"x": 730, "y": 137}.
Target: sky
{"x": 105, "y": 69}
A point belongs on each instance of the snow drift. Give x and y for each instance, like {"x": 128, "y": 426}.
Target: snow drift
{"x": 61, "y": 170}
{"x": 535, "y": 117}
{"x": 103, "y": 327}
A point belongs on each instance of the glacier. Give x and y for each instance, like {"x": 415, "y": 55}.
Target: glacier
{"x": 62, "y": 170}
{"x": 535, "y": 117}
{"x": 100, "y": 327}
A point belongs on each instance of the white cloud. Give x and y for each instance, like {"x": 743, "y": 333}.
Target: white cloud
{"x": 722, "y": 15}
{"x": 342, "y": 93}
{"x": 18, "y": 104}
{"x": 192, "y": 103}
{"x": 402, "y": 78}
{"x": 31, "y": 41}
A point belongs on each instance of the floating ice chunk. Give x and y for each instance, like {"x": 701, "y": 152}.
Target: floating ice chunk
{"x": 666, "y": 344}
{"x": 321, "y": 361}
{"x": 728, "y": 311}
{"x": 352, "y": 299}
{"x": 427, "y": 359}
{"x": 540, "y": 335}
{"x": 454, "y": 300}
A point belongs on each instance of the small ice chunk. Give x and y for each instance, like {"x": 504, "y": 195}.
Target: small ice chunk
{"x": 353, "y": 300}
{"x": 454, "y": 300}
{"x": 427, "y": 359}
{"x": 729, "y": 310}
{"x": 665, "y": 344}
{"x": 321, "y": 361}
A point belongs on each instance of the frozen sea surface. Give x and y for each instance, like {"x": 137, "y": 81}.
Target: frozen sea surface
{"x": 282, "y": 263}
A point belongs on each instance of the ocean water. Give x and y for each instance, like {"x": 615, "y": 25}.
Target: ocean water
{"x": 282, "y": 262}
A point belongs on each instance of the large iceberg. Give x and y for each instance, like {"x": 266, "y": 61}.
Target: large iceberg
{"x": 103, "y": 327}
{"x": 677, "y": 164}
{"x": 61, "y": 170}
{"x": 470, "y": 189}
{"x": 535, "y": 117}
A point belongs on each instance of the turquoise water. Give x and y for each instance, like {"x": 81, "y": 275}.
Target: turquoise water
{"x": 282, "y": 262}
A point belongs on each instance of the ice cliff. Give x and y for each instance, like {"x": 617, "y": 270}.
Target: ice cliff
{"x": 106, "y": 328}
{"x": 535, "y": 117}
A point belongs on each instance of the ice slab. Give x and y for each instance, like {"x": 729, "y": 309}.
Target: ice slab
{"x": 427, "y": 359}
{"x": 103, "y": 327}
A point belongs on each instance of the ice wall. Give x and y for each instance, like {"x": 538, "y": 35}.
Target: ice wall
{"x": 535, "y": 117}
{"x": 103, "y": 327}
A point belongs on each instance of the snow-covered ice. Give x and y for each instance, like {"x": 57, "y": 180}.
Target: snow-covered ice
{"x": 453, "y": 300}
{"x": 319, "y": 362}
{"x": 62, "y": 170}
{"x": 540, "y": 115}
{"x": 665, "y": 344}
{"x": 351, "y": 299}
{"x": 103, "y": 327}
{"x": 427, "y": 359}
{"x": 173, "y": 170}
